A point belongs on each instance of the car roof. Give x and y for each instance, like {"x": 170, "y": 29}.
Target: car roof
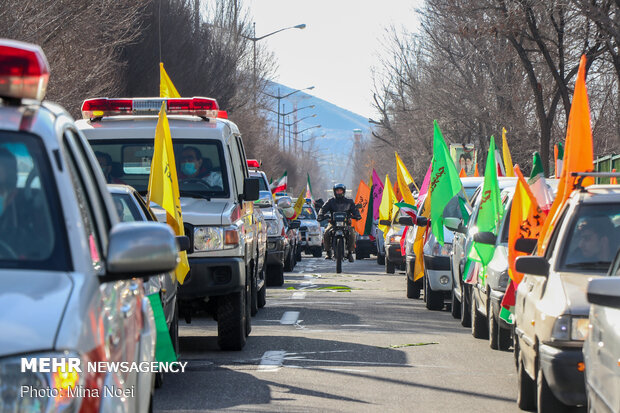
{"x": 143, "y": 127}
{"x": 472, "y": 181}
{"x": 120, "y": 189}
{"x": 594, "y": 194}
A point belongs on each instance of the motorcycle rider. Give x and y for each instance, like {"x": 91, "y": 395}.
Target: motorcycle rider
{"x": 339, "y": 203}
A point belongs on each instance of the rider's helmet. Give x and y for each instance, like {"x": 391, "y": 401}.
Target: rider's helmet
{"x": 339, "y": 186}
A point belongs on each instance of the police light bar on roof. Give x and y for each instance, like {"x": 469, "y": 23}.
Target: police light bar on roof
{"x": 253, "y": 163}
{"x": 24, "y": 71}
{"x": 196, "y": 106}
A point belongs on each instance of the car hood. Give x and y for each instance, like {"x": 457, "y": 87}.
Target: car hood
{"x": 197, "y": 211}
{"x": 574, "y": 290}
{"x": 33, "y": 303}
{"x": 309, "y": 223}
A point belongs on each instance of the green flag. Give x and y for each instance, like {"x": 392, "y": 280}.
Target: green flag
{"x": 490, "y": 210}
{"x": 445, "y": 182}
{"x": 164, "y": 351}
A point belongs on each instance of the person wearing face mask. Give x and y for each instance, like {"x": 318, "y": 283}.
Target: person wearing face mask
{"x": 193, "y": 166}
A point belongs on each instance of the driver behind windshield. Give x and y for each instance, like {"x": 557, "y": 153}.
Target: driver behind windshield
{"x": 593, "y": 241}
{"x": 194, "y": 166}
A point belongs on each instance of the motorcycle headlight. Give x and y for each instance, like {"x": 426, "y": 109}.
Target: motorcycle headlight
{"x": 272, "y": 227}
{"x": 395, "y": 239}
{"x": 31, "y": 391}
{"x": 567, "y": 328}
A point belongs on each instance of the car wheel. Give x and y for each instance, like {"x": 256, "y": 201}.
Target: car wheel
{"x": 380, "y": 259}
{"x": 479, "y": 328}
{"x": 545, "y": 399}
{"x": 434, "y": 299}
{"x": 262, "y": 296}
{"x": 288, "y": 262}
{"x": 231, "y": 321}
{"x": 465, "y": 310}
{"x": 413, "y": 289}
{"x": 174, "y": 329}
{"x": 298, "y": 254}
{"x": 390, "y": 268}
{"x": 526, "y": 388}
{"x": 275, "y": 276}
{"x": 456, "y": 306}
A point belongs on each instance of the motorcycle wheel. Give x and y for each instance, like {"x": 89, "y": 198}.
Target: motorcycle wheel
{"x": 339, "y": 254}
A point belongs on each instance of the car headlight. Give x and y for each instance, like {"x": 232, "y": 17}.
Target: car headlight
{"x": 272, "y": 227}
{"x": 504, "y": 279}
{"x": 215, "y": 238}
{"x": 567, "y": 328}
{"x": 395, "y": 239}
{"x": 31, "y": 391}
{"x": 439, "y": 250}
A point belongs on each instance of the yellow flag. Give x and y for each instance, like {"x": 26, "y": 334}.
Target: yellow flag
{"x": 163, "y": 186}
{"x": 400, "y": 166}
{"x": 299, "y": 204}
{"x": 166, "y": 87}
{"x": 386, "y": 208}
{"x": 506, "y": 155}
{"x": 402, "y": 174}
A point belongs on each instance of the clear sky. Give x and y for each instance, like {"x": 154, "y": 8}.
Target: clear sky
{"x": 338, "y": 48}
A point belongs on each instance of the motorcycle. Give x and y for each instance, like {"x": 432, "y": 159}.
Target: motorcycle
{"x": 341, "y": 227}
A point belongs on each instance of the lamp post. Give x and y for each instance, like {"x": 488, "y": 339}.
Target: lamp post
{"x": 280, "y": 97}
{"x": 254, "y": 39}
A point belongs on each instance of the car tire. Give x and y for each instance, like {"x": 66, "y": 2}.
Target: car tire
{"x": 413, "y": 289}
{"x": 253, "y": 297}
{"x": 380, "y": 259}
{"x": 479, "y": 327}
{"x": 288, "y": 262}
{"x": 434, "y": 299}
{"x": 261, "y": 299}
{"x": 174, "y": 329}
{"x": 298, "y": 254}
{"x": 390, "y": 268}
{"x": 275, "y": 276}
{"x": 231, "y": 321}
{"x": 465, "y": 310}
{"x": 545, "y": 399}
{"x": 526, "y": 388}
{"x": 248, "y": 309}
{"x": 455, "y": 309}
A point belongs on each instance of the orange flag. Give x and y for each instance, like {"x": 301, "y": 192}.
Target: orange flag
{"x": 578, "y": 153}
{"x": 362, "y": 197}
{"x": 526, "y": 221}
{"x": 462, "y": 174}
{"x": 613, "y": 180}
{"x": 476, "y": 173}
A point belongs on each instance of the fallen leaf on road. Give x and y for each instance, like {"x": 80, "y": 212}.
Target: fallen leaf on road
{"x": 409, "y": 345}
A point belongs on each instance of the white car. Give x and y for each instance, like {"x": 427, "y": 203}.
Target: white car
{"x": 71, "y": 273}
{"x": 601, "y": 349}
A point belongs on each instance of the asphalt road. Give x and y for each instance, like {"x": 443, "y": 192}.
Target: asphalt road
{"x": 329, "y": 342}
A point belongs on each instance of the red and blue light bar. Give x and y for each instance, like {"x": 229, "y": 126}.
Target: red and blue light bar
{"x": 196, "y": 106}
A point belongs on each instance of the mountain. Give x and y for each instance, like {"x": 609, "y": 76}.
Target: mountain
{"x": 337, "y": 124}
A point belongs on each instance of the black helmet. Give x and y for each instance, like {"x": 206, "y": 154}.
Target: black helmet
{"x": 340, "y": 186}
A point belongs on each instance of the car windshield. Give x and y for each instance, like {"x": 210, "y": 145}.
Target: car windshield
{"x": 307, "y": 213}
{"x": 201, "y": 169}
{"x": 593, "y": 239}
{"x": 469, "y": 191}
{"x": 262, "y": 184}
{"x": 125, "y": 207}
{"x": 31, "y": 236}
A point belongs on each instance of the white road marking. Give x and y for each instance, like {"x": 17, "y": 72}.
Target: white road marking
{"x": 306, "y": 283}
{"x": 357, "y": 325}
{"x": 271, "y": 360}
{"x": 298, "y": 295}
{"x": 289, "y": 317}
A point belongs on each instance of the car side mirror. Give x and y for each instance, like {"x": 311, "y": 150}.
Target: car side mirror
{"x": 140, "y": 249}
{"x": 183, "y": 242}
{"x": 421, "y": 221}
{"x": 407, "y": 221}
{"x": 485, "y": 238}
{"x": 526, "y": 245}
{"x": 454, "y": 224}
{"x": 532, "y": 265}
{"x": 251, "y": 189}
{"x": 605, "y": 292}
{"x": 385, "y": 222}
{"x": 294, "y": 224}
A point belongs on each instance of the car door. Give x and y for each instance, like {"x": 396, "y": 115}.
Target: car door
{"x": 122, "y": 313}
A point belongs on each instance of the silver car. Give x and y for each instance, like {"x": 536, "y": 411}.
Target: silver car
{"x": 601, "y": 349}
{"x": 68, "y": 266}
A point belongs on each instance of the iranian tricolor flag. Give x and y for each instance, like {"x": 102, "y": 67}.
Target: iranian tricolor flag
{"x": 558, "y": 152}
{"x": 408, "y": 209}
{"x": 309, "y": 189}
{"x": 539, "y": 186}
{"x": 279, "y": 185}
